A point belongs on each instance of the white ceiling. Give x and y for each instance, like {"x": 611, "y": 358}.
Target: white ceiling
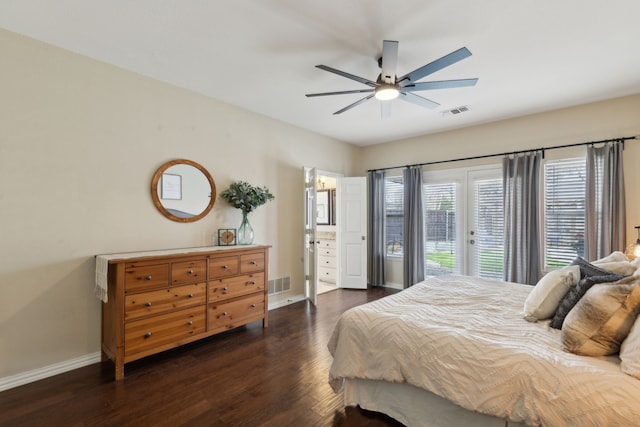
{"x": 529, "y": 55}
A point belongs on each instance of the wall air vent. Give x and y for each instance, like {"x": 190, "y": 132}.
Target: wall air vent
{"x": 279, "y": 285}
{"x": 456, "y": 111}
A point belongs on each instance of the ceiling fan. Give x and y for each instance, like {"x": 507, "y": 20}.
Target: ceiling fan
{"x": 388, "y": 86}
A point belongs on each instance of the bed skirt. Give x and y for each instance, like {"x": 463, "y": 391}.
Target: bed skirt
{"x": 413, "y": 406}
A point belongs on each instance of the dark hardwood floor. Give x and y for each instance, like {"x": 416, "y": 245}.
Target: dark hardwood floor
{"x": 246, "y": 377}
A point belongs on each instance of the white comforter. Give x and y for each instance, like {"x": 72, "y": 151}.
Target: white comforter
{"x": 465, "y": 339}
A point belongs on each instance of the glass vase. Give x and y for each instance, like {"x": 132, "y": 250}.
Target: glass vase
{"x": 245, "y": 231}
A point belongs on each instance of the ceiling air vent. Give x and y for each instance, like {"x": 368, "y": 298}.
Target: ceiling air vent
{"x": 455, "y": 111}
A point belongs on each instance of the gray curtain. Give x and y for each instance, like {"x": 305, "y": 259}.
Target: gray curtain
{"x": 377, "y": 235}
{"x": 413, "y": 246}
{"x": 605, "y": 202}
{"x": 521, "y": 182}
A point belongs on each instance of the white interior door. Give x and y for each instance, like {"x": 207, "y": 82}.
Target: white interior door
{"x": 351, "y": 201}
{"x": 310, "y": 252}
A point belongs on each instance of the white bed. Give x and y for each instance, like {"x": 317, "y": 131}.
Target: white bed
{"x": 456, "y": 350}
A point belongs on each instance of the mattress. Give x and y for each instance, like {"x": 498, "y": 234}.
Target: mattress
{"x": 465, "y": 339}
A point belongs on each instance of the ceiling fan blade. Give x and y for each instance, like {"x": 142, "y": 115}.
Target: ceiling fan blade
{"x": 418, "y": 100}
{"x": 350, "y": 106}
{"x": 342, "y": 92}
{"x": 385, "y": 109}
{"x": 434, "y": 66}
{"x": 389, "y": 61}
{"x": 444, "y": 84}
{"x": 347, "y": 75}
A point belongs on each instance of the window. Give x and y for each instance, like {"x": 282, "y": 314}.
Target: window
{"x": 394, "y": 206}
{"x": 564, "y": 213}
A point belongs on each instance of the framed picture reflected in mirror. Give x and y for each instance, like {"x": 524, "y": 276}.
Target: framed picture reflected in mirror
{"x": 323, "y": 207}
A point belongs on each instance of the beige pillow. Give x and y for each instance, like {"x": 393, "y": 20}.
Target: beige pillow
{"x": 615, "y": 256}
{"x": 624, "y": 268}
{"x": 543, "y": 300}
{"x": 630, "y": 351}
{"x": 602, "y": 319}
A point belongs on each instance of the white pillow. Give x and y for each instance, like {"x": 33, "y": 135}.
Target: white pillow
{"x": 630, "y": 351}
{"x": 543, "y": 300}
{"x": 616, "y": 256}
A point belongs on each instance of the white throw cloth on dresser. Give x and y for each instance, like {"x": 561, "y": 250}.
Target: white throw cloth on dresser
{"x": 102, "y": 268}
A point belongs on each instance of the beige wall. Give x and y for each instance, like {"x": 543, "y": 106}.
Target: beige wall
{"x": 592, "y": 122}
{"x": 79, "y": 144}
{"x": 80, "y": 141}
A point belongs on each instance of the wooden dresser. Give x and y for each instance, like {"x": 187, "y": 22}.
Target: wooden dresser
{"x": 162, "y": 299}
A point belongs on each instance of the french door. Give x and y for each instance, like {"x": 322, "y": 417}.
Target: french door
{"x": 464, "y": 222}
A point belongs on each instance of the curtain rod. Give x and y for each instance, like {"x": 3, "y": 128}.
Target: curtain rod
{"x": 509, "y": 153}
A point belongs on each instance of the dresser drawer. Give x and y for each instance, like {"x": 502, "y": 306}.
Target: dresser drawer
{"x": 157, "y": 302}
{"x": 326, "y": 252}
{"x": 252, "y": 262}
{"x": 327, "y": 244}
{"x": 138, "y": 278}
{"x": 231, "y": 287}
{"x": 236, "y": 312}
{"x": 223, "y": 267}
{"x": 188, "y": 272}
{"x": 327, "y": 274}
{"x": 146, "y": 334}
{"x": 325, "y": 261}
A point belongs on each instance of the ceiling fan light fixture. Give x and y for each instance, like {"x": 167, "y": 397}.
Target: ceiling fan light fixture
{"x": 386, "y": 92}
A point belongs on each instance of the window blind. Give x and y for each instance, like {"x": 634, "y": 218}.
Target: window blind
{"x": 394, "y": 207}
{"x": 564, "y": 211}
{"x": 440, "y": 228}
{"x": 488, "y": 229}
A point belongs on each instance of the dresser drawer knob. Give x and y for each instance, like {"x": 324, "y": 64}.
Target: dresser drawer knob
{"x": 253, "y": 306}
{"x": 148, "y": 304}
{"x": 224, "y": 313}
{"x": 253, "y": 282}
{"x": 254, "y": 263}
{"x": 225, "y": 289}
{"x": 226, "y": 267}
{"x": 190, "y": 323}
{"x": 148, "y": 277}
{"x": 190, "y": 295}
{"x": 190, "y": 272}
{"x": 147, "y": 335}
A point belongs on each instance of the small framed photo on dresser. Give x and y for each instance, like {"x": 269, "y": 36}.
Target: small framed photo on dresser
{"x": 226, "y": 236}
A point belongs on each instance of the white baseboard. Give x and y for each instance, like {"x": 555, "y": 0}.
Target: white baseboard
{"x": 280, "y": 300}
{"x": 48, "y": 371}
{"x": 393, "y": 285}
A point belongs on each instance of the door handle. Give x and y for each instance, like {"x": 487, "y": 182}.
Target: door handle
{"x": 362, "y": 237}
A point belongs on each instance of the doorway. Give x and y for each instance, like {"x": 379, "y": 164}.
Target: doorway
{"x": 335, "y": 232}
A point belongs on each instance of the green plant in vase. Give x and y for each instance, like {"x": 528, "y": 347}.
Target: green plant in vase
{"x": 246, "y": 197}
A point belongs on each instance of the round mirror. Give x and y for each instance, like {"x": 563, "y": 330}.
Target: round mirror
{"x": 183, "y": 190}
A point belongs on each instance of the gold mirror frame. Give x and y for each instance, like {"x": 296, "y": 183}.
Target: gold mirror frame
{"x": 158, "y": 202}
